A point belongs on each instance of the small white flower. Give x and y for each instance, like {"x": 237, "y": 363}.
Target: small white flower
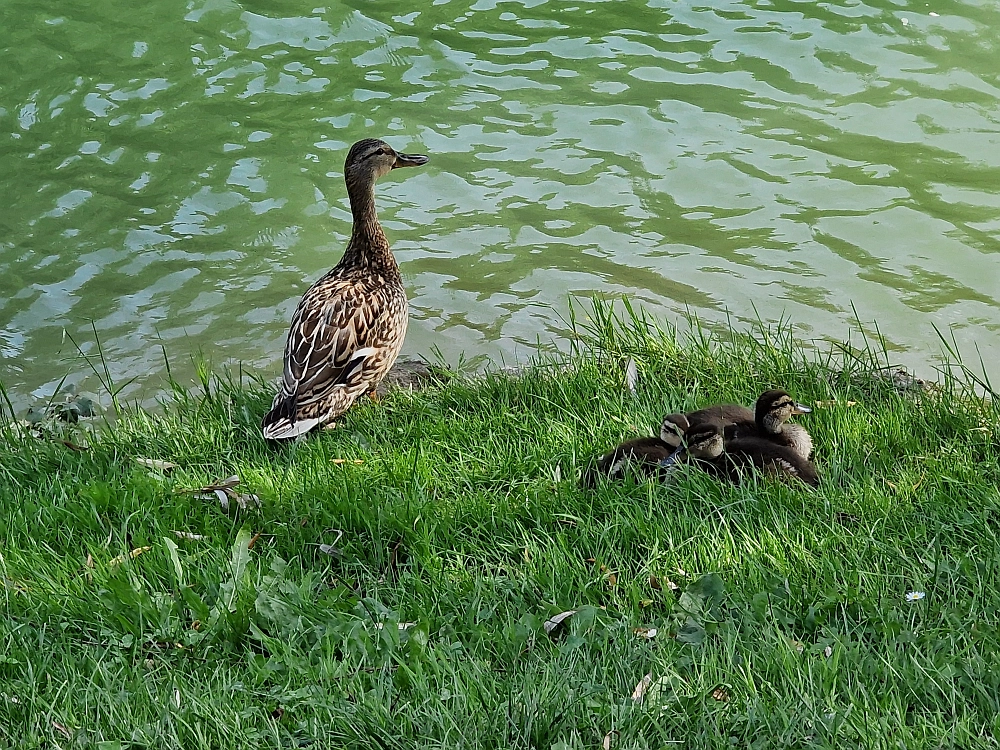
{"x": 915, "y": 596}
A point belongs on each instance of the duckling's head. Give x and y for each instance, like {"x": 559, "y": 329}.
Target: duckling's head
{"x": 673, "y": 428}
{"x": 704, "y": 440}
{"x": 774, "y": 408}
{"x": 371, "y": 158}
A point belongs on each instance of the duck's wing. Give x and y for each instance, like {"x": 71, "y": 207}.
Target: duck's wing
{"x": 325, "y": 357}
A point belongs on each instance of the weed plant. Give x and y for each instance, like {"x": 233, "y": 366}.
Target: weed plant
{"x": 393, "y": 588}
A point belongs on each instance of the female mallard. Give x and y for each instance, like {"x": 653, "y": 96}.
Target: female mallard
{"x": 349, "y": 327}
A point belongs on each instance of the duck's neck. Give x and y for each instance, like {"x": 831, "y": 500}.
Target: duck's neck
{"x": 368, "y": 247}
{"x": 769, "y": 424}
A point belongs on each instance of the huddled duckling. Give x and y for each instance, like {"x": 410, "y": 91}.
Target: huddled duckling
{"x": 725, "y": 439}
{"x": 768, "y": 420}
{"x": 728, "y": 415}
{"x": 349, "y": 326}
{"x": 771, "y": 414}
{"x": 645, "y": 455}
{"x": 652, "y": 456}
{"x": 730, "y": 459}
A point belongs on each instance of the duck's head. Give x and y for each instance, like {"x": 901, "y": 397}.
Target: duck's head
{"x": 673, "y": 428}
{"x": 371, "y": 158}
{"x": 703, "y": 440}
{"x": 774, "y": 408}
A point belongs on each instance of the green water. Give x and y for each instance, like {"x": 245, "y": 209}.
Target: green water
{"x": 171, "y": 174}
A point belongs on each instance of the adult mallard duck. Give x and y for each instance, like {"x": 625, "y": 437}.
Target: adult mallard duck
{"x": 349, "y": 327}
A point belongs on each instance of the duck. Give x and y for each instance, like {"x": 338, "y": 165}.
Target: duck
{"x": 648, "y": 456}
{"x": 771, "y": 414}
{"x": 705, "y": 442}
{"x": 652, "y": 456}
{"x": 674, "y": 426}
{"x": 768, "y": 420}
{"x": 349, "y": 326}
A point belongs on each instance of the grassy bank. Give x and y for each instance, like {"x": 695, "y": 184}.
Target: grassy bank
{"x": 402, "y": 568}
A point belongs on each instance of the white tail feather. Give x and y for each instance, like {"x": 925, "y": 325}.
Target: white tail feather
{"x": 284, "y": 429}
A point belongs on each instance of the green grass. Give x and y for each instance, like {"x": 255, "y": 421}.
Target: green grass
{"x": 788, "y": 627}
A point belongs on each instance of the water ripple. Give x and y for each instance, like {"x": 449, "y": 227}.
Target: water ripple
{"x": 173, "y": 177}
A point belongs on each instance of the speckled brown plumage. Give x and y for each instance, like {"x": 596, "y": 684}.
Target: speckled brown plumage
{"x": 349, "y": 326}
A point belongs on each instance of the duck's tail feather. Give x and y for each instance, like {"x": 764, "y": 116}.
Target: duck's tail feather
{"x": 281, "y": 423}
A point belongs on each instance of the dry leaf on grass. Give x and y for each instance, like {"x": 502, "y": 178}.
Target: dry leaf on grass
{"x": 71, "y": 445}
{"x": 553, "y": 624}
{"x": 640, "y": 690}
{"x": 223, "y": 491}
{"x": 607, "y": 739}
{"x": 155, "y": 463}
{"x": 659, "y": 585}
{"x": 644, "y": 632}
{"x": 720, "y": 694}
{"x": 332, "y": 549}
{"x": 631, "y": 375}
{"x": 188, "y": 535}
{"x": 62, "y": 729}
{"x": 339, "y": 461}
{"x": 130, "y": 556}
{"x": 399, "y": 625}
{"x": 828, "y": 404}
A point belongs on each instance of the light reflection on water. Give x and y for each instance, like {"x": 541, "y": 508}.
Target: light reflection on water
{"x": 174, "y": 177}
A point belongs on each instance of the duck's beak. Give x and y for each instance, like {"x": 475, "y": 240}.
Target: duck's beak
{"x": 409, "y": 160}
{"x": 674, "y": 458}
{"x": 800, "y": 409}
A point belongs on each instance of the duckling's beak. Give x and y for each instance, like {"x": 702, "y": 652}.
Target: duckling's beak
{"x": 409, "y": 160}
{"x": 800, "y": 409}
{"x": 673, "y": 459}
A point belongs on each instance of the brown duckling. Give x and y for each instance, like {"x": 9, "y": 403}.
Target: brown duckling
{"x": 645, "y": 455}
{"x": 731, "y": 459}
{"x": 675, "y": 425}
{"x": 771, "y": 414}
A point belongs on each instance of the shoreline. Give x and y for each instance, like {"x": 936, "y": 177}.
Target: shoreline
{"x": 405, "y": 576}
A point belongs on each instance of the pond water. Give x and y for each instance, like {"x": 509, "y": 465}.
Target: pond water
{"x": 171, "y": 175}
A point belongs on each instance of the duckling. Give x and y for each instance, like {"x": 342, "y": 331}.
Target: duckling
{"x": 652, "y": 456}
{"x": 729, "y": 459}
{"x": 349, "y": 326}
{"x": 771, "y": 414}
{"x": 764, "y": 455}
{"x": 675, "y": 425}
{"x": 647, "y": 455}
